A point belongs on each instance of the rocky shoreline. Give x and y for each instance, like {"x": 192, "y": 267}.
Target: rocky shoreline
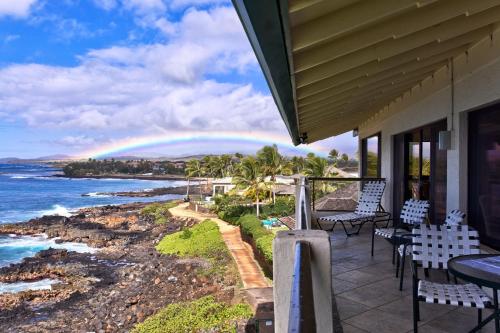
{"x": 110, "y": 290}
{"x": 181, "y": 190}
{"x": 126, "y": 176}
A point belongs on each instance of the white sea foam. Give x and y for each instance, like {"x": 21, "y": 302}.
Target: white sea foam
{"x": 57, "y": 210}
{"x": 20, "y": 177}
{"x": 15, "y": 287}
{"x": 96, "y": 195}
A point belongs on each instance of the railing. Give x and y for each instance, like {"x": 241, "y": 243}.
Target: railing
{"x": 302, "y": 205}
{"x": 336, "y": 193}
{"x": 302, "y": 315}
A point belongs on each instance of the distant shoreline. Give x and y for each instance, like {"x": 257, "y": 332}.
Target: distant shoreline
{"x": 126, "y": 176}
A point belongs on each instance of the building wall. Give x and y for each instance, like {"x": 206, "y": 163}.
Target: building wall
{"x": 477, "y": 84}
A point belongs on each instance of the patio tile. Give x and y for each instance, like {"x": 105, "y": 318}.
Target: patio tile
{"x": 348, "y": 308}
{"x": 456, "y": 321}
{"x": 339, "y": 286}
{"x": 351, "y": 329}
{"x": 359, "y": 278}
{"x": 403, "y": 308}
{"x": 380, "y": 322}
{"x": 373, "y": 294}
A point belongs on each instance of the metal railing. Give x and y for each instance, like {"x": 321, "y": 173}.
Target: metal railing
{"x": 336, "y": 193}
{"x": 302, "y": 316}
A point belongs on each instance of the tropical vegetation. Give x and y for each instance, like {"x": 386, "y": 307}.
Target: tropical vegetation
{"x": 202, "y": 315}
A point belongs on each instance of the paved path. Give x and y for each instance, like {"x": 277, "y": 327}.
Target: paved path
{"x": 250, "y": 272}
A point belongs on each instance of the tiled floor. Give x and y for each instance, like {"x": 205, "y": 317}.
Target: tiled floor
{"x": 368, "y": 298}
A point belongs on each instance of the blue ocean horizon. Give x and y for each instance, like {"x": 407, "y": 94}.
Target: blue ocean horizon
{"x": 29, "y": 190}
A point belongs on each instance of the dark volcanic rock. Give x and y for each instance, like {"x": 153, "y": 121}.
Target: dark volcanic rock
{"x": 108, "y": 291}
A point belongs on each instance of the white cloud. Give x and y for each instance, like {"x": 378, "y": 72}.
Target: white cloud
{"x": 10, "y": 38}
{"x": 16, "y": 8}
{"x": 178, "y": 4}
{"x": 77, "y": 141}
{"x": 106, "y": 4}
{"x": 154, "y": 88}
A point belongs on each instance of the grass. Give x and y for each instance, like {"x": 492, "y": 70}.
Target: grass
{"x": 204, "y": 314}
{"x": 159, "y": 211}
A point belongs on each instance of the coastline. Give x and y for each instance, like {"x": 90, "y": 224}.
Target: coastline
{"x": 111, "y": 289}
{"x": 126, "y": 176}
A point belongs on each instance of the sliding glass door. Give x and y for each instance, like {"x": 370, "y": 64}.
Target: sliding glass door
{"x": 484, "y": 174}
{"x": 420, "y": 169}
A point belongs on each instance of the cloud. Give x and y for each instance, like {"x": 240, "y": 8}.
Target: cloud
{"x": 148, "y": 88}
{"x": 79, "y": 141}
{"x": 179, "y": 4}
{"x": 16, "y": 8}
{"x": 10, "y": 38}
{"x": 106, "y": 4}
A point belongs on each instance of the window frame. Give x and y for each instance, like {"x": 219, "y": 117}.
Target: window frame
{"x": 364, "y": 153}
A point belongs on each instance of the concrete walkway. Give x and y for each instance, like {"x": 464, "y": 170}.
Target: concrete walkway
{"x": 250, "y": 272}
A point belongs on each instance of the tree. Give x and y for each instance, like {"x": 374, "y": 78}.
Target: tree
{"x": 250, "y": 178}
{"x": 194, "y": 169}
{"x": 333, "y": 155}
{"x": 272, "y": 164}
{"x": 345, "y": 157}
{"x": 297, "y": 164}
{"x": 316, "y": 166}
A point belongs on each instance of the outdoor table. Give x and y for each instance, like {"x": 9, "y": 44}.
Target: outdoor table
{"x": 483, "y": 270}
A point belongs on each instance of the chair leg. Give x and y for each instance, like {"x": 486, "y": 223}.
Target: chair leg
{"x": 479, "y": 316}
{"x": 345, "y": 229}
{"x": 416, "y": 310}
{"x": 426, "y": 272}
{"x": 447, "y": 275}
{"x": 398, "y": 262}
{"x": 393, "y": 253}
{"x": 373, "y": 237}
{"x": 403, "y": 257}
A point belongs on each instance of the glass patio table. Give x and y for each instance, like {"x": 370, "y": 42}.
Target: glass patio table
{"x": 483, "y": 270}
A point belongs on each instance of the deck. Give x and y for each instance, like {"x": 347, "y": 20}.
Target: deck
{"x": 367, "y": 295}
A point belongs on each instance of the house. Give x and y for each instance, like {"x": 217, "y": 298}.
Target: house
{"x": 418, "y": 81}
{"x": 222, "y": 185}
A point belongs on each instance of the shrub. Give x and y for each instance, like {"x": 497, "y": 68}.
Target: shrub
{"x": 265, "y": 245}
{"x": 231, "y": 208}
{"x": 252, "y": 226}
{"x": 204, "y": 314}
{"x": 159, "y": 211}
{"x": 202, "y": 240}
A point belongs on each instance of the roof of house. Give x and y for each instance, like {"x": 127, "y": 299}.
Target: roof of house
{"x": 331, "y": 65}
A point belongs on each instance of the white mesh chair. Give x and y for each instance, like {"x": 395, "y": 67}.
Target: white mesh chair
{"x": 366, "y": 210}
{"x": 414, "y": 212}
{"x": 454, "y": 218}
{"x": 432, "y": 247}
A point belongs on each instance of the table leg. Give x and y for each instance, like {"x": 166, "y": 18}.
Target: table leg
{"x": 495, "y": 300}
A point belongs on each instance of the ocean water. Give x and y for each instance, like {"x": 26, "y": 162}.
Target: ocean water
{"x": 28, "y": 191}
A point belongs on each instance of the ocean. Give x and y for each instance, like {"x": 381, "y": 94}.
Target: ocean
{"x": 29, "y": 191}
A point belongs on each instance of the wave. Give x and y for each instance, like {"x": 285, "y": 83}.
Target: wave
{"x": 20, "y": 177}
{"x": 15, "y": 287}
{"x": 57, "y": 210}
{"x": 96, "y": 195}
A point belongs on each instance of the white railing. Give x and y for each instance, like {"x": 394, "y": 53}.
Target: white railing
{"x": 302, "y": 205}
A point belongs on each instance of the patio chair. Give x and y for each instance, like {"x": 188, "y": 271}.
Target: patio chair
{"x": 366, "y": 210}
{"x": 432, "y": 247}
{"x": 414, "y": 212}
{"x": 454, "y": 218}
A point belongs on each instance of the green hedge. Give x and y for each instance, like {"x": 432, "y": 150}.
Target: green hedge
{"x": 251, "y": 226}
{"x": 159, "y": 211}
{"x": 202, "y": 240}
{"x": 204, "y": 314}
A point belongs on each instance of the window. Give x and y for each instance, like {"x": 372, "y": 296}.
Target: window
{"x": 370, "y": 156}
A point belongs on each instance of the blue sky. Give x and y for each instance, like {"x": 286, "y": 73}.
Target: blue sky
{"x": 79, "y": 74}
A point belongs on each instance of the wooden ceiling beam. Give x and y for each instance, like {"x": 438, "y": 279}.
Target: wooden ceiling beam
{"x": 337, "y": 67}
{"x": 388, "y": 92}
{"x": 372, "y": 70}
{"x": 347, "y": 19}
{"x": 396, "y": 27}
{"x": 358, "y": 85}
{"x": 359, "y": 94}
{"x": 388, "y": 47}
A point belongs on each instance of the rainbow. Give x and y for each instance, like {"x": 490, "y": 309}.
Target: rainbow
{"x": 185, "y": 138}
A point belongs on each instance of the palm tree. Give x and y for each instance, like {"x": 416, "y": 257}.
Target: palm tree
{"x": 316, "y": 166}
{"x": 194, "y": 169}
{"x": 273, "y": 164}
{"x": 250, "y": 178}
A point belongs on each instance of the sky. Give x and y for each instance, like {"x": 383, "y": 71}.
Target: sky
{"x": 81, "y": 76}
